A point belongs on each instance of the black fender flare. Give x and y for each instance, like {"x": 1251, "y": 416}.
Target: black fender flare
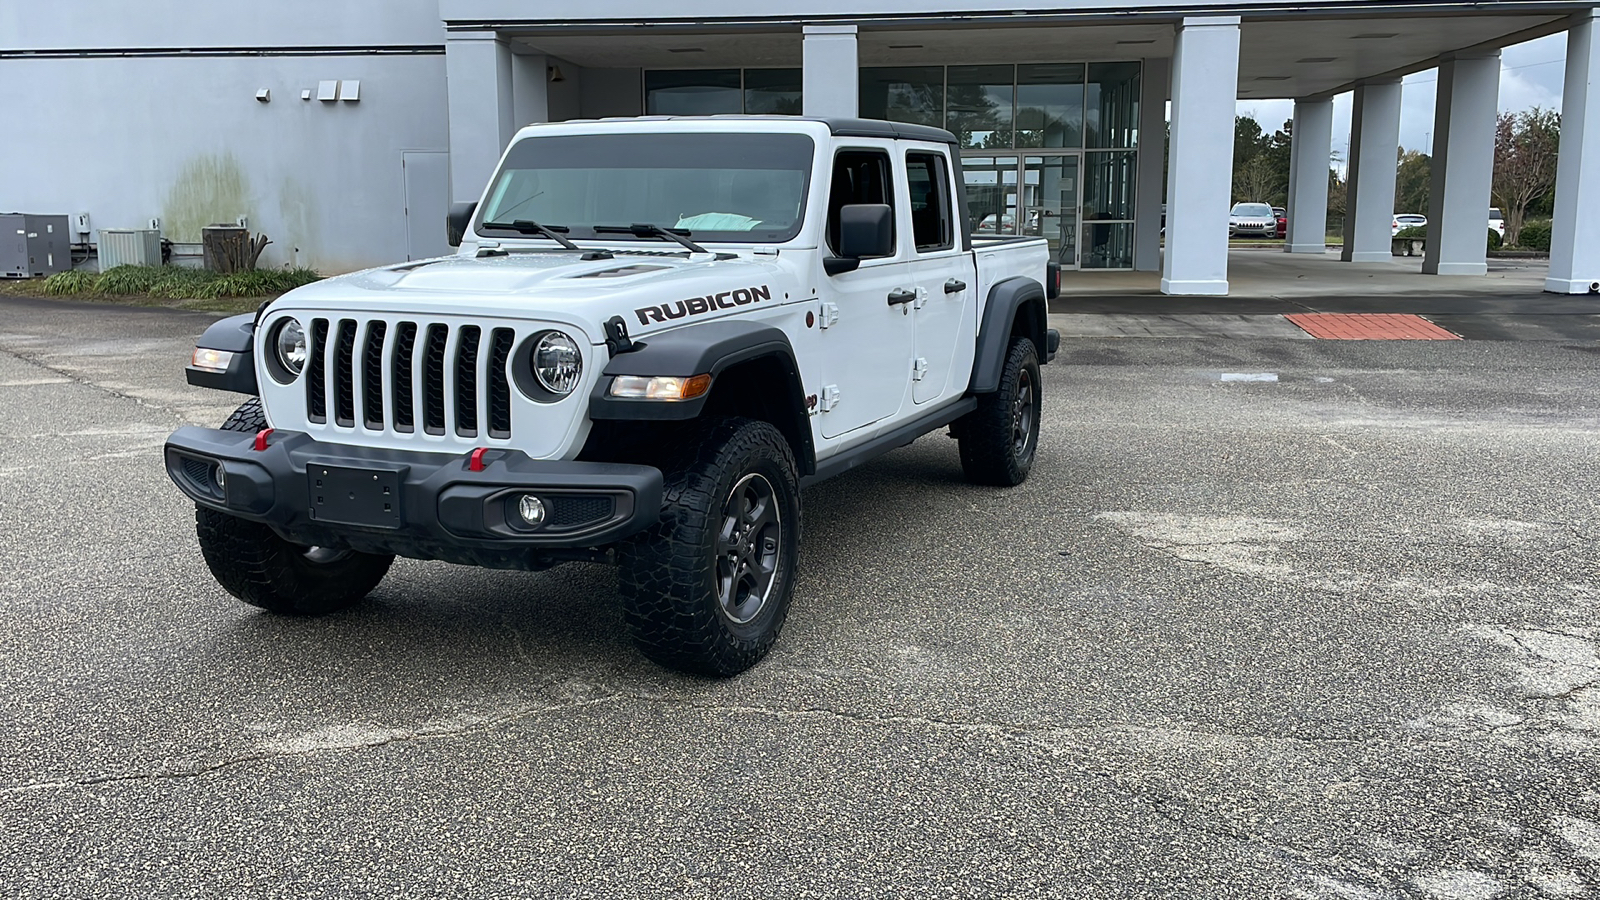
{"x": 236, "y": 335}
{"x": 1006, "y": 297}
{"x": 706, "y": 348}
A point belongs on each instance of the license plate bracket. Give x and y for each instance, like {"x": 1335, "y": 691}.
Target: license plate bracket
{"x": 369, "y": 498}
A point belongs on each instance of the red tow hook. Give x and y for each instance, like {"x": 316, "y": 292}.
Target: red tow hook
{"x": 475, "y": 461}
{"x": 261, "y": 439}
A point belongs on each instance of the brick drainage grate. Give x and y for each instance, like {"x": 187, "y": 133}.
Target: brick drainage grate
{"x": 1369, "y": 327}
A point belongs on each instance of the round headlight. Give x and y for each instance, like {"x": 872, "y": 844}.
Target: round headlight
{"x": 290, "y": 344}
{"x": 557, "y": 363}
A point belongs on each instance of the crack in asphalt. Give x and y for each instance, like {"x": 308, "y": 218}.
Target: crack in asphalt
{"x": 76, "y": 378}
{"x": 384, "y": 736}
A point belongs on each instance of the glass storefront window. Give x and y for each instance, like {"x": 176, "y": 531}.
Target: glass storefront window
{"x": 912, "y": 94}
{"x": 692, "y": 92}
{"x": 1107, "y": 245}
{"x": 1050, "y": 105}
{"x": 980, "y": 105}
{"x": 991, "y": 194}
{"x": 772, "y": 92}
{"x": 1112, "y": 104}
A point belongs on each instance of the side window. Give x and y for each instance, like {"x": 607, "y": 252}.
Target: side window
{"x": 859, "y": 176}
{"x": 928, "y": 176}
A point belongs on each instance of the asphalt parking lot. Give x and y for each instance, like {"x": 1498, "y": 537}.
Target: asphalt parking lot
{"x": 1329, "y": 635}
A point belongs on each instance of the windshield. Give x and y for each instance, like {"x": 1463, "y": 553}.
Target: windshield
{"x": 719, "y": 187}
{"x": 1252, "y": 209}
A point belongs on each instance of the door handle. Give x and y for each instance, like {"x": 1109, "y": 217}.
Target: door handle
{"x": 954, "y": 286}
{"x": 898, "y": 297}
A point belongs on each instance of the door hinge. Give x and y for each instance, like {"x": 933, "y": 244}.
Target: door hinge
{"x": 922, "y": 297}
{"x": 830, "y": 315}
{"x": 919, "y": 369}
{"x": 830, "y": 397}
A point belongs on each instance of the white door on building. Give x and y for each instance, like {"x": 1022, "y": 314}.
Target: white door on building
{"x": 427, "y": 181}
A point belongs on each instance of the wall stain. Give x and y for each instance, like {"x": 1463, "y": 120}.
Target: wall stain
{"x": 300, "y": 244}
{"x": 210, "y": 189}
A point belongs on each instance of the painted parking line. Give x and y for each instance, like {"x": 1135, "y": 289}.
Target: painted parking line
{"x": 1369, "y": 327}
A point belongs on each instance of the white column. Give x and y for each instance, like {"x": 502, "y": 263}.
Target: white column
{"x": 1374, "y": 160}
{"x": 477, "y": 67}
{"x": 1575, "y": 231}
{"x": 1205, "y": 83}
{"x": 530, "y": 89}
{"x": 1463, "y": 164}
{"x": 828, "y": 81}
{"x": 1310, "y": 148}
{"x": 1155, "y": 79}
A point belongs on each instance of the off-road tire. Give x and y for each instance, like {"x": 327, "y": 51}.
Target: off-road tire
{"x": 253, "y": 563}
{"x": 671, "y": 575}
{"x": 1000, "y": 438}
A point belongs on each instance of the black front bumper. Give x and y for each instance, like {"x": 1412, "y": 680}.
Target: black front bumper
{"x": 422, "y": 505}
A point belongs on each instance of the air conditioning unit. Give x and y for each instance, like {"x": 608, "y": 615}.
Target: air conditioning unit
{"x": 129, "y": 247}
{"x": 32, "y": 246}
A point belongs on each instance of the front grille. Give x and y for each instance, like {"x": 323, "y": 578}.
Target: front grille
{"x": 384, "y": 376}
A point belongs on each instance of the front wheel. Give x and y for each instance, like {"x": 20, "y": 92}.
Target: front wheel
{"x": 707, "y": 589}
{"x": 253, "y": 563}
{"x": 999, "y": 438}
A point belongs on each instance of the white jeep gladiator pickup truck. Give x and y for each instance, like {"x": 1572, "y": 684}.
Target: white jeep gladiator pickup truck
{"x": 655, "y": 333}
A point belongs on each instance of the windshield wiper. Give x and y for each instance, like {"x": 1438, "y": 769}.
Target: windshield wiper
{"x": 647, "y": 229}
{"x": 528, "y": 226}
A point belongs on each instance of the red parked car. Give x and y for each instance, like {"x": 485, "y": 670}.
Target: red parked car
{"x": 1283, "y": 221}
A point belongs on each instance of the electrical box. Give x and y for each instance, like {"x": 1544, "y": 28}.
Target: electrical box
{"x": 129, "y": 247}
{"x": 34, "y": 246}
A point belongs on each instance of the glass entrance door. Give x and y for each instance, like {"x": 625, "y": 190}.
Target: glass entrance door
{"x": 1050, "y": 203}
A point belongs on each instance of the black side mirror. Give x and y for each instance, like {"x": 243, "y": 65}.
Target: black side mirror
{"x": 457, "y": 221}
{"x": 866, "y": 230}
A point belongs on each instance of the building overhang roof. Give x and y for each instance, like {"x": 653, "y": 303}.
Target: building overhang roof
{"x": 1312, "y": 50}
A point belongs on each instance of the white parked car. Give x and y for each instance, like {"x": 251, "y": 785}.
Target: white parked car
{"x": 655, "y": 332}
{"x": 1497, "y": 221}
{"x": 1252, "y": 220}
{"x": 1407, "y": 220}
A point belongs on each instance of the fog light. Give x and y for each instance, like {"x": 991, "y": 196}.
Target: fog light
{"x": 531, "y": 509}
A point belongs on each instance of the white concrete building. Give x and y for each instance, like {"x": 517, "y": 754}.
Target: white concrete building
{"x": 341, "y": 130}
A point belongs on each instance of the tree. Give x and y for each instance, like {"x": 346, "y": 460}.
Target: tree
{"x": 1525, "y": 146}
{"x": 1260, "y": 162}
{"x": 1413, "y": 182}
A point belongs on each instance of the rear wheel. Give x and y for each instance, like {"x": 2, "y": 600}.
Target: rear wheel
{"x": 253, "y": 563}
{"x": 707, "y": 589}
{"x": 999, "y": 438}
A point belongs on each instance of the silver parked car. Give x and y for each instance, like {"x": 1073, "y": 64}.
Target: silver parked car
{"x": 1252, "y": 220}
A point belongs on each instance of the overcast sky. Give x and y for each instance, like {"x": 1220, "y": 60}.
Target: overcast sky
{"x": 1530, "y": 75}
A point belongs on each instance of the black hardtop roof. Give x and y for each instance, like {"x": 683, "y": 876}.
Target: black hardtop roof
{"x": 839, "y": 127}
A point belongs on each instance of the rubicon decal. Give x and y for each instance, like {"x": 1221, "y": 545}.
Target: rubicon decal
{"x": 694, "y": 306}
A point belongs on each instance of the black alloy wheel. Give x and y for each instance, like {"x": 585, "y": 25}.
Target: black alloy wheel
{"x": 748, "y": 548}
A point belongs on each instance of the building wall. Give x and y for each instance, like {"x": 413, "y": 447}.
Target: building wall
{"x": 99, "y": 24}
{"x": 120, "y": 129}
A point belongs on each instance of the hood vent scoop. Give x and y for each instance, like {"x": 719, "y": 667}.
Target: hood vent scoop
{"x": 623, "y": 271}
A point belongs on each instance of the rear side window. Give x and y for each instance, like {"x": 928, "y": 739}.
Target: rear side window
{"x": 928, "y": 177}
{"x": 859, "y": 176}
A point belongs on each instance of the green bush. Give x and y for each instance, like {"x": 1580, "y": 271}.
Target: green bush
{"x": 127, "y": 279}
{"x": 65, "y": 284}
{"x": 1412, "y": 231}
{"x": 179, "y": 283}
{"x": 1494, "y": 240}
{"x": 1535, "y": 235}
